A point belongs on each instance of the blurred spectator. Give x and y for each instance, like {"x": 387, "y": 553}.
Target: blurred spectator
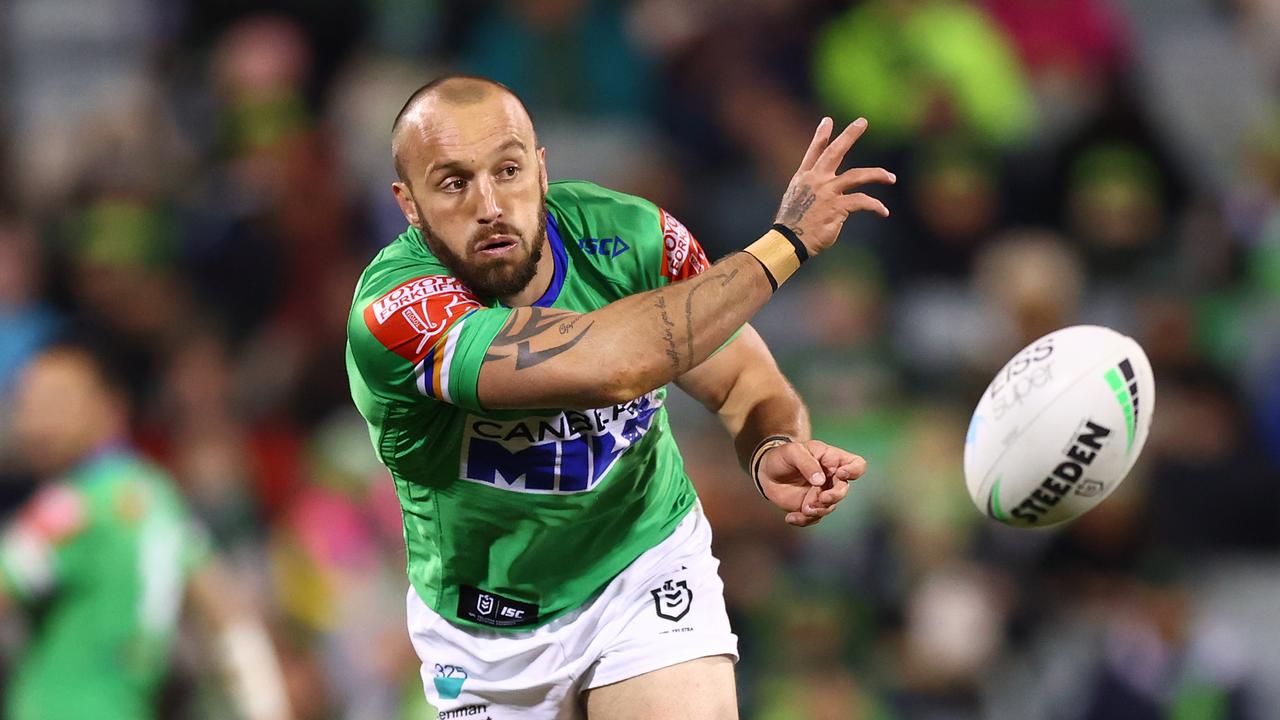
{"x": 107, "y": 537}
{"x": 954, "y": 200}
{"x": 1156, "y": 662}
{"x": 1072, "y": 51}
{"x": 954, "y": 629}
{"x": 923, "y": 67}
{"x": 563, "y": 57}
{"x": 338, "y": 559}
{"x": 1115, "y": 204}
{"x": 1032, "y": 283}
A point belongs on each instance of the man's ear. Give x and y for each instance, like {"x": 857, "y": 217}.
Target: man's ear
{"x": 406, "y": 203}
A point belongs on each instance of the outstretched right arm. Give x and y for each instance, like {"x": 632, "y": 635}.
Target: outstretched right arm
{"x": 245, "y": 656}
{"x": 553, "y": 358}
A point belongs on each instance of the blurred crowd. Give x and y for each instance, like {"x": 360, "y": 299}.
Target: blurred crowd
{"x": 196, "y": 185}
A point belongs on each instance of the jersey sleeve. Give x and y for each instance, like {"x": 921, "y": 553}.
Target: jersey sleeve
{"x": 33, "y": 548}
{"x": 424, "y": 337}
{"x": 682, "y": 255}
{"x": 683, "y": 258}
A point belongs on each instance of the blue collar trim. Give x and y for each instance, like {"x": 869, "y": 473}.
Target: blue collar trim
{"x": 561, "y": 262}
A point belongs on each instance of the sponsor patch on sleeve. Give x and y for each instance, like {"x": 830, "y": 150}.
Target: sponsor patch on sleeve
{"x": 413, "y": 318}
{"x": 55, "y": 515}
{"x": 682, "y": 256}
{"x": 28, "y": 547}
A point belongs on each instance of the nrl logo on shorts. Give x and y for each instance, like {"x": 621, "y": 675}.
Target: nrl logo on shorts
{"x": 673, "y": 600}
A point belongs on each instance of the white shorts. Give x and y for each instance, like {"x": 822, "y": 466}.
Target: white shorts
{"x": 665, "y": 608}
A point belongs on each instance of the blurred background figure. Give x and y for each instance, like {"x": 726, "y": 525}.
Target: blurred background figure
{"x": 100, "y": 559}
{"x": 196, "y": 184}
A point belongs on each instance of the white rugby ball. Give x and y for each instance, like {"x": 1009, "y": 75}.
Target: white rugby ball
{"x": 1059, "y": 427}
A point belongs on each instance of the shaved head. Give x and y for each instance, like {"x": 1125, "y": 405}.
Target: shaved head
{"x": 454, "y": 90}
{"x": 473, "y": 180}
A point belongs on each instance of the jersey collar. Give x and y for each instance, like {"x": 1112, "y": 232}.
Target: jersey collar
{"x": 561, "y": 263}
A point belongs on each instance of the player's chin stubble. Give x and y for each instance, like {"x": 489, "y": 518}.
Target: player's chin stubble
{"x": 494, "y": 278}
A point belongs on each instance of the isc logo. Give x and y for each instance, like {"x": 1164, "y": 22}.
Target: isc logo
{"x": 607, "y": 247}
{"x": 565, "y": 453}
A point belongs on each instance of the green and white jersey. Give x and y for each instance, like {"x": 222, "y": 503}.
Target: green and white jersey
{"x": 512, "y": 518}
{"x": 100, "y": 560}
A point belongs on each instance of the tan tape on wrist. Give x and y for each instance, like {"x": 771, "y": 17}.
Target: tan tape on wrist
{"x": 775, "y": 252}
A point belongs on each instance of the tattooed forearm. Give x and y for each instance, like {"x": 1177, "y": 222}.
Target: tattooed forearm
{"x": 722, "y": 279}
{"x": 519, "y": 334}
{"x": 794, "y": 205}
{"x": 668, "y": 335}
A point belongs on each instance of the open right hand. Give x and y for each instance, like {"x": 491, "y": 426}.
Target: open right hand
{"x": 818, "y": 201}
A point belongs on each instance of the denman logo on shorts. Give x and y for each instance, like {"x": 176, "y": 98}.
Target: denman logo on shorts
{"x": 465, "y": 711}
{"x": 565, "y": 453}
{"x": 449, "y": 680}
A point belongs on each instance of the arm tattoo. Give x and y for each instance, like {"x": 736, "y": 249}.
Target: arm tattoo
{"x": 725, "y": 279}
{"x": 667, "y": 335}
{"x": 537, "y": 321}
{"x": 794, "y": 205}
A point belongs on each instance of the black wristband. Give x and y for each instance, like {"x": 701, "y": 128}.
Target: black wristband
{"x": 757, "y": 457}
{"x": 773, "y": 281}
{"x": 801, "y": 251}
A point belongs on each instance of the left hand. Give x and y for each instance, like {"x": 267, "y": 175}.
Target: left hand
{"x": 808, "y": 478}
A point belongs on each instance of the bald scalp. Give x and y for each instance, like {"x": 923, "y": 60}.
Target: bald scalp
{"x": 455, "y": 90}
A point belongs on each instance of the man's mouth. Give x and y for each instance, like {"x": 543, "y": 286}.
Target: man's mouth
{"x": 496, "y": 244}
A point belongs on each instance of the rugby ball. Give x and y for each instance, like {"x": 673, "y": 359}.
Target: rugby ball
{"x": 1059, "y": 427}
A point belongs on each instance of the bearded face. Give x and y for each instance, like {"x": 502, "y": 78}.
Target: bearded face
{"x": 498, "y": 260}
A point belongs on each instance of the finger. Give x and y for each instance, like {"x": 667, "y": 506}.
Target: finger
{"x": 829, "y": 456}
{"x": 821, "y": 498}
{"x": 854, "y": 177}
{"x": 838, "y": 464}
{"x": 806, "y": 464}
{"x": 809, "y": 505}
{"x": 862, "y": 201}
{"x": 837, "y": 492}
{"x": 801, "y": 520}
{"x": 834, "y": 153}
{"x": 821, "y": 137}
{"x": 851, "y": 470}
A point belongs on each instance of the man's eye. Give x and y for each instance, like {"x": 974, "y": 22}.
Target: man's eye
{"x": 455, "y": 185}
{"x": 511, "y": 171}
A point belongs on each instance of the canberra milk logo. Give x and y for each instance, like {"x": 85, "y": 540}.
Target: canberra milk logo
{"x": 449, "y": 680}
{"x": 565, "y": 453}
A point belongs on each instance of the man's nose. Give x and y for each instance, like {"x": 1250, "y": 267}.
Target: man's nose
{"x": 489, "y": 210}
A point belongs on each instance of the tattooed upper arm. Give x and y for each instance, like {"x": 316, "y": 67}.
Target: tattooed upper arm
{"x": 551, "y": 331}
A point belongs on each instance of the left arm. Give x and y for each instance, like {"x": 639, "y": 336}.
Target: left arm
{"x": 743, "y": 385}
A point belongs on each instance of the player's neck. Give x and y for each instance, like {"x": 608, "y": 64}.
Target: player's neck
{"x": 542, "y": 278}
